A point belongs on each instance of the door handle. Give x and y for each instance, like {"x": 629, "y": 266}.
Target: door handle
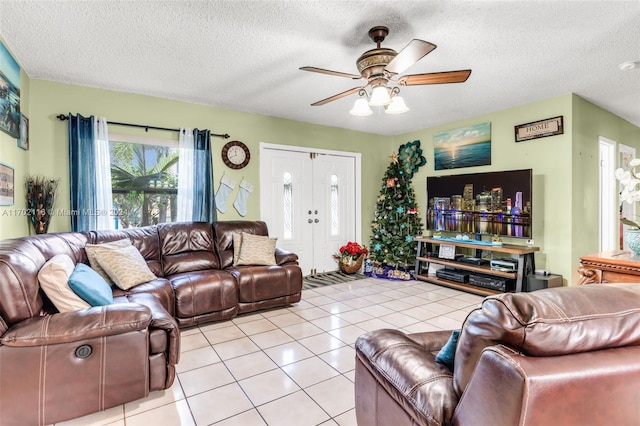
{"x": 309, "y": 211}
{"x": 310, "y": 221}
{"x": 316, "y": 221}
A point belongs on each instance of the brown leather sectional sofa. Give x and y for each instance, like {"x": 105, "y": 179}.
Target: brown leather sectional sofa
{"x": 57, "y": 366}
{"x": 561, "y": 356}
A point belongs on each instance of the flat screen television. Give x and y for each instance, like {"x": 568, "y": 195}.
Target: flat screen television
{"x": 492, "y": 203}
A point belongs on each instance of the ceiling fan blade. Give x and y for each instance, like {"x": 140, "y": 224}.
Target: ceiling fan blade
{"x": 459, "y": 76}
{"x": 412, "y": 53}
{"x": 338, "y": 96}
{"x": 336, "y": 73}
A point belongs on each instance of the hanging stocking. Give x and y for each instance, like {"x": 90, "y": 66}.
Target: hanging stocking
{"x": 225, "y": 188}
{"x": 243, "y": 194}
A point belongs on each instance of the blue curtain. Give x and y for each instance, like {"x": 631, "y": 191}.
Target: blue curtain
{"x": 82, "y": 173}
{"x": 204, "y": 207}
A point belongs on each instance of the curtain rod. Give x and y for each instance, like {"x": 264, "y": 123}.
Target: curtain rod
{"x": 63, "y": 117}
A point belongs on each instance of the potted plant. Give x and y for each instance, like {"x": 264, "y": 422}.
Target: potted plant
{"x": 41, "y": 194}
{"x": 351, "y": 257}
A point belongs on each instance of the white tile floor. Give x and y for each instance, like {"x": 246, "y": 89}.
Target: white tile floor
{"x": 287, "y": 366}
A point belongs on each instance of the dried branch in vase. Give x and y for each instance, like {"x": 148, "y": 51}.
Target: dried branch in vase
{"x": 41, "y": 194}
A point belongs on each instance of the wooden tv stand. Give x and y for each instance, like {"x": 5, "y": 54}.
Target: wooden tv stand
{"x": 524, "y": 256}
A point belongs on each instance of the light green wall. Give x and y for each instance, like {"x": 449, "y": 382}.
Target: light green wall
{"x": 12, "y": 219}
{"x": 546, "y": 156}
{"x": 49, "y": 138}
{"x": 589, "y": 123}
{"x": 565, "y": 209}
{"x": 565, "y": 172}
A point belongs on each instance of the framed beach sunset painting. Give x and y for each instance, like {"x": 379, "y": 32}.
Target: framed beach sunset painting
{"x": 464, "y": 147}
{"x": 9, "y": 93}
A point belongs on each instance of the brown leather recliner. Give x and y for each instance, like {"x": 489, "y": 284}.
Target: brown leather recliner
{"x": 57, "y": 366}
{"x": 560, "y": 356}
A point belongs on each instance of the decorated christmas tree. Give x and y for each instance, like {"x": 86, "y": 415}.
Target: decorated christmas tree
{"x": 396, "y": 221}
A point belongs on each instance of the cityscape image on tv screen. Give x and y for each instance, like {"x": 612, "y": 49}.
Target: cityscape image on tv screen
{"x": 492, "y": 203}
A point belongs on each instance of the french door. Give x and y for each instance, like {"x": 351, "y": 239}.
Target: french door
{"x": 309, "y": 201}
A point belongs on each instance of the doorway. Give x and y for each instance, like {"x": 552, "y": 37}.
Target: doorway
{"x": 310, "y": 200}
{"x": 607, "y": 213}
{"x": 627, "y": 210}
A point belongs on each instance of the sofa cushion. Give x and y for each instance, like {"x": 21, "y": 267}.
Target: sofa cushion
{"x": 223, "y": 232}
{"x": 237, "y": 242}
{"x": 160, "y": 289}
{"x": 54, "y": 277}
{"x": 447, "y": 354}
{"x": 145, "y": 239}
{"x": 256, "y": 250}
{"x": 257, "y": 283}
{"x": 90, "y": 286}
{"x": 550, "y": 322}
{"x": 125, "y": 266}
{"x": 93, "y": 260}
{"x": 203, "y": 292}
{"x": 21, "y": 259}
{"x": 187, "y": 247}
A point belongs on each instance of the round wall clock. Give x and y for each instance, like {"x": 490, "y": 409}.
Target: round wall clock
{"x": 235, "y": 154}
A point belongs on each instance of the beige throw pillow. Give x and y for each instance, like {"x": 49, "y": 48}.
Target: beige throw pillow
{"x": 54, "y": 276}
{"x": 93, "y": 261}
{"x": 257, "y": 250}
{"x": 125, "y": 266}
{"x": 237, "y": 242}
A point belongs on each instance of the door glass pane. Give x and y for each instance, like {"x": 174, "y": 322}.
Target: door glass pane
{"x": 287, "y": 206}
{"x": 335, "y": 207}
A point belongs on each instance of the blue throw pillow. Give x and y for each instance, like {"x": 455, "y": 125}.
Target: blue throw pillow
{"x": 90, "y": 286}
{"x": 448, "y": 352}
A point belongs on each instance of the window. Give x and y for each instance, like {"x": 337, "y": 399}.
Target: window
{"x": 144, "y": 180}
{"x": 335, "y": 206}
{"x": 287, "y": 205}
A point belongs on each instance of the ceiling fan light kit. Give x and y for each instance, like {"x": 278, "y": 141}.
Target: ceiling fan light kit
{"x": 380, "y": 68}
{"x": 361, "y": 108}
{"x": 379, "y": 96}
{"x": 397, "y": 106}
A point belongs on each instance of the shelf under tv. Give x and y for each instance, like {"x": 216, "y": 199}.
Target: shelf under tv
{"x": 523, "y": 254}
{"x": 457, "y": 286}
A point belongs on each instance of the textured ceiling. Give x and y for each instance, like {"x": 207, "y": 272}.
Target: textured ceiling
{"x": 244, "y": 55}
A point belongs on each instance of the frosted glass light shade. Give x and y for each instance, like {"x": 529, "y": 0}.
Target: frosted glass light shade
{"x": 379, "y": 96}
{"x": 397, "y": 106}
{"x": 361, "y": 108}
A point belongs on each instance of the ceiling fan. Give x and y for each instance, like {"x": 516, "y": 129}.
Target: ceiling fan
{"x": 382, "y": 66}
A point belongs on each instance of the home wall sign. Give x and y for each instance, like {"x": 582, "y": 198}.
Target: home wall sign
{"x": 539, "y": 129}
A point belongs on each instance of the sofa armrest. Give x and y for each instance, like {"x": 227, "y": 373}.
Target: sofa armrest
{"x": 79, "y": 325}
{"x": 397, "y": 373}
{"x": 508, "y": 388}
{"x": 284, "y": 257}
{"x": 162, "y": 320}
{"x": 432, "y": 341}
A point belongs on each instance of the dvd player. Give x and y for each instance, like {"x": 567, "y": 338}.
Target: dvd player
{"x": 453, "y": 275}
{"x": 473, "y": 261}
{"x": 492, "y": 282}
{"x": 507, "y": 265}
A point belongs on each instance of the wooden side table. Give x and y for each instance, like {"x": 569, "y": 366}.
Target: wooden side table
{"x": 614, "y": 266}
